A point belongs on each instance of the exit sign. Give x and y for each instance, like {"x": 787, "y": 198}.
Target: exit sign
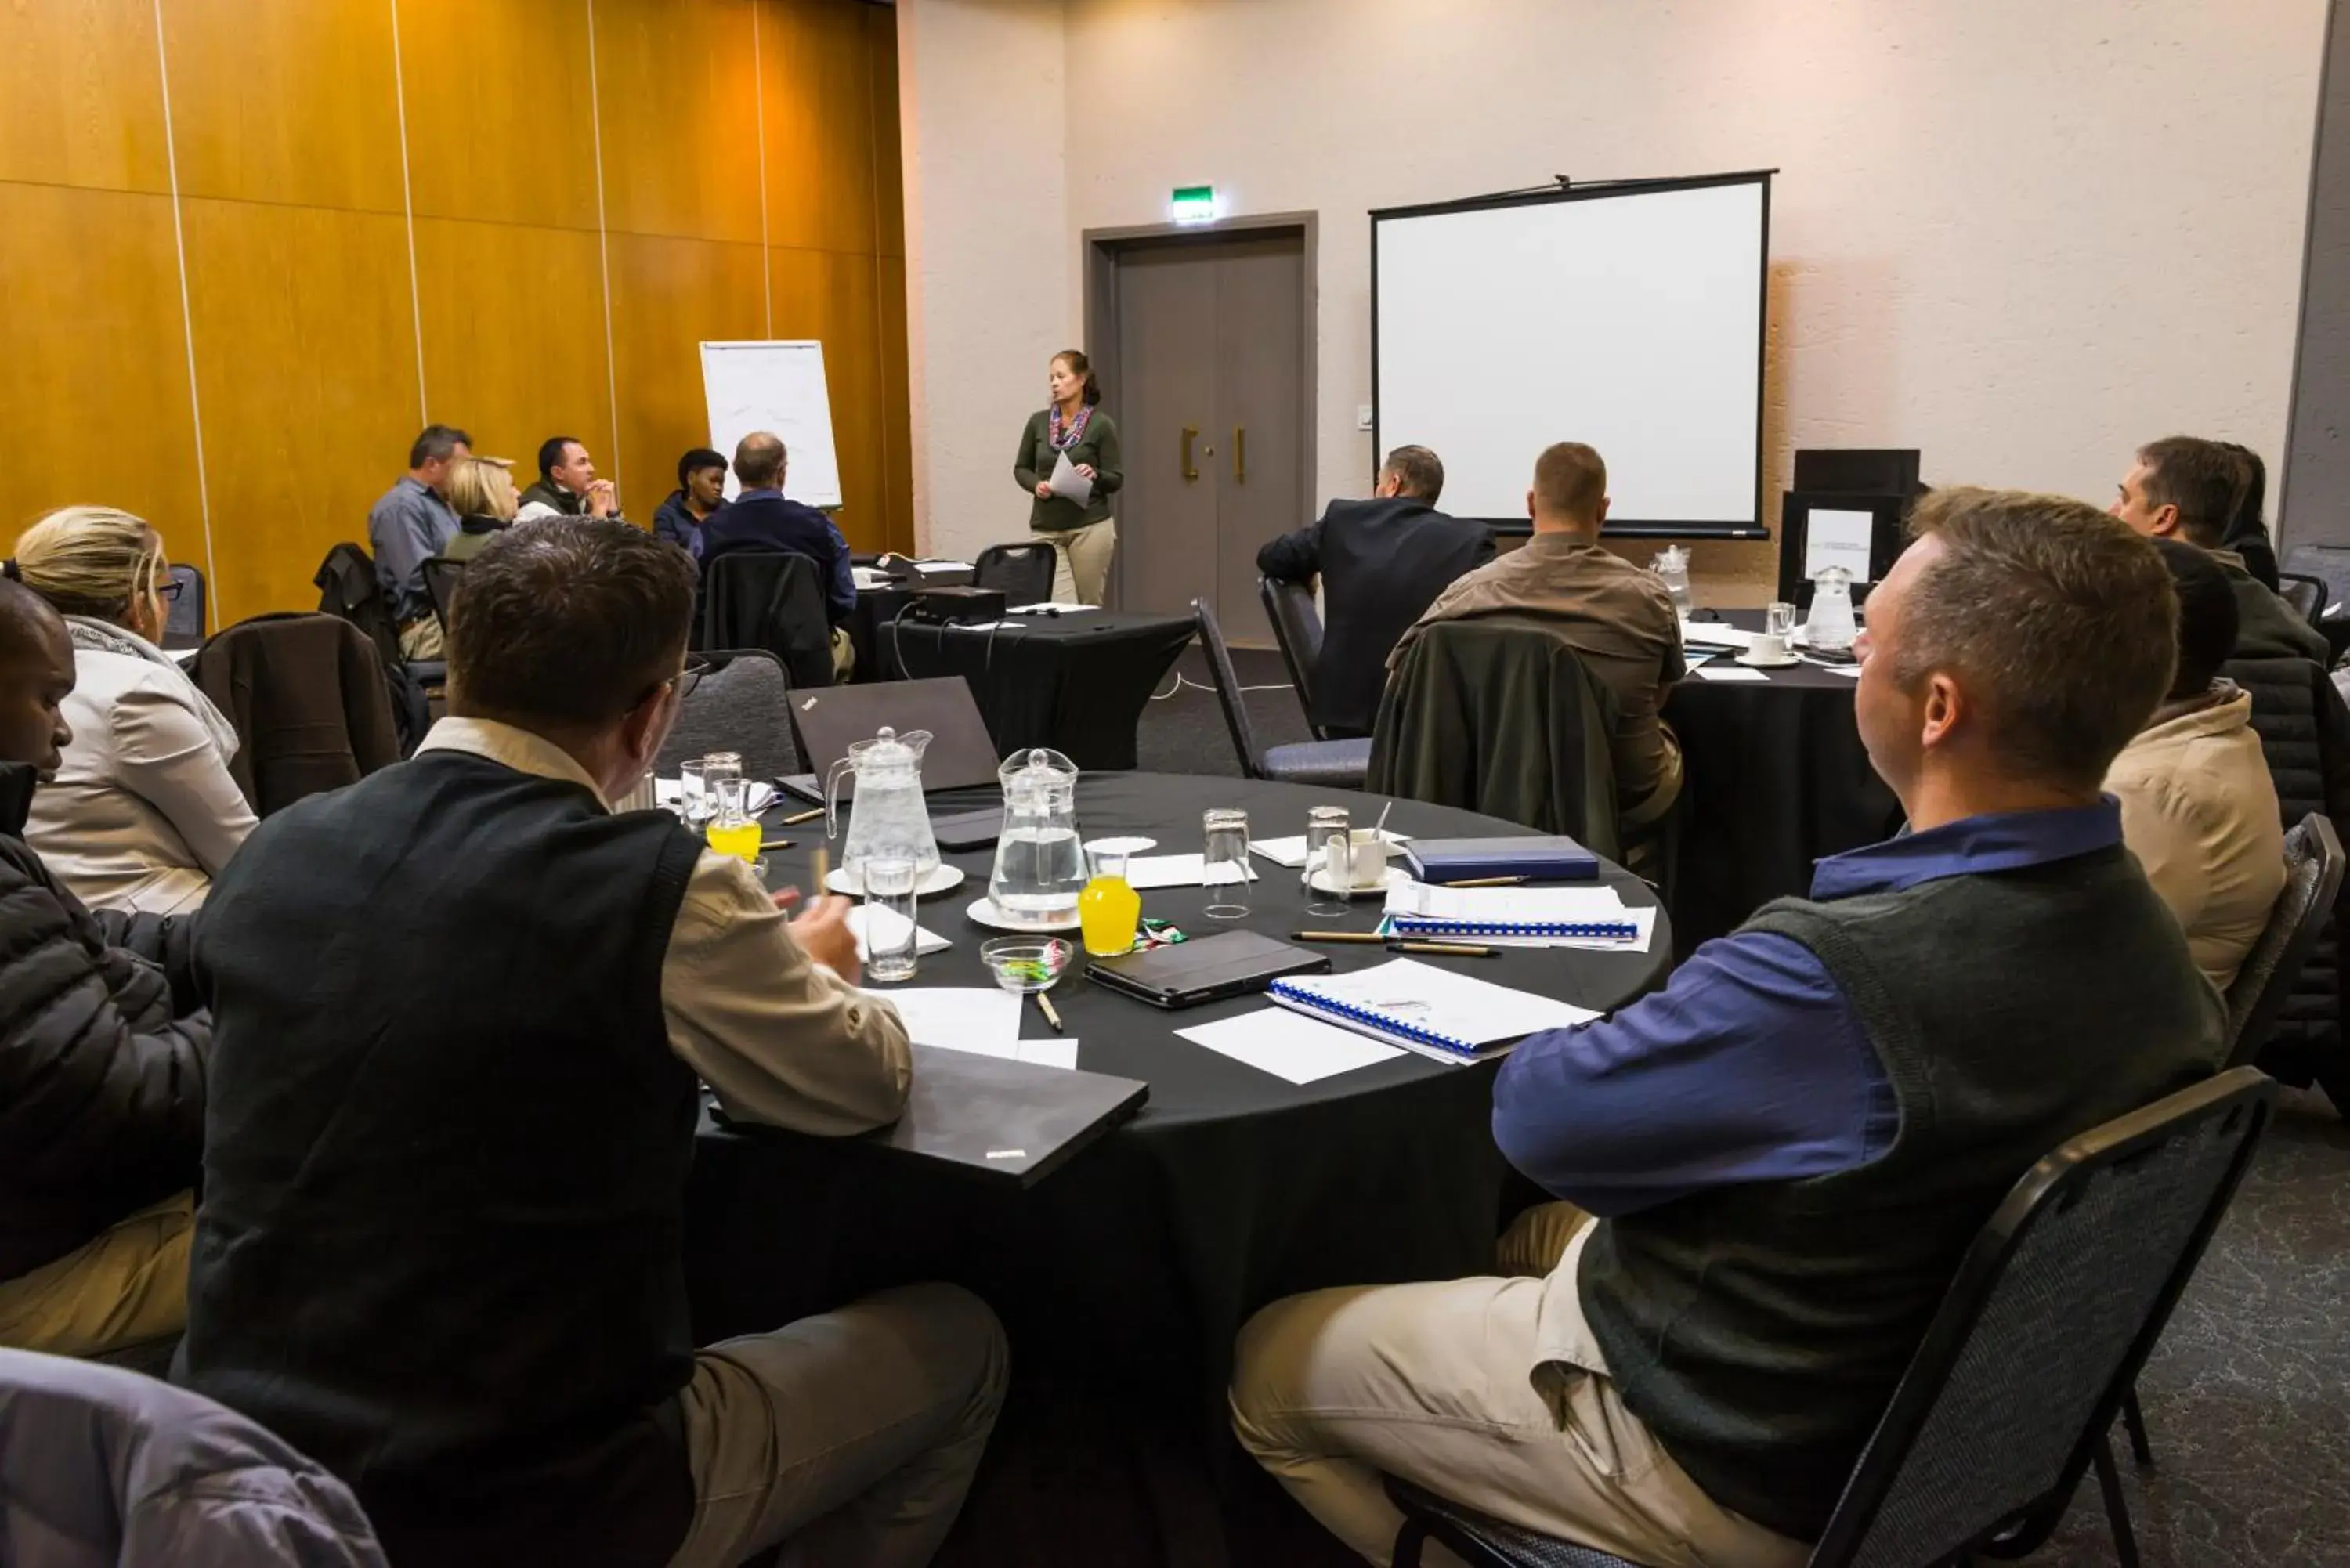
{"x": 1192, "y": 204}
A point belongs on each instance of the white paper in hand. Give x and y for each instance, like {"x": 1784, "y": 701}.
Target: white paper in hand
{"x": 1067, "y": 484}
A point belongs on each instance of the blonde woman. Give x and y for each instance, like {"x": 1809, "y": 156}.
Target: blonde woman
{"x": 482, "y": 494}
{"x": 143, "y": 813}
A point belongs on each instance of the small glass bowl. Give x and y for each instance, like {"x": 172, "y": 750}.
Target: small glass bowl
{"x": 1026, "y": 965}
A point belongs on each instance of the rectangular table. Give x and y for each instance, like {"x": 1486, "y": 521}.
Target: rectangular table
{"x": 1076, "y": 682}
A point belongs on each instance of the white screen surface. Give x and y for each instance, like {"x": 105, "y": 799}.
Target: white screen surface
{"x": 1630, "y": 322}
{"x": 778, "y": 387}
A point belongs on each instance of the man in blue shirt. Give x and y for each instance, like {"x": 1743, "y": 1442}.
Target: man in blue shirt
{"x": 761, "y": 519}
{"x": 409, "y": 526}
{"x": 1790, "y": 1147}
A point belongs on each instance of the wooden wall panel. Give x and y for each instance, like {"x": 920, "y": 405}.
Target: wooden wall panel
{"x": 888, "y": 152}
{"x": 897, "y": 406}
{"x": 82, "y": 95}
{"x": 819, "y": 113}
{"x": 667, "y": 296}
{"x": 501, "y": 118}
{"x": 285, "y": 100}
{"x": 306, "y": 371}
{"x": 513, "y": 338}
{"x": 677, "y": 93}
{"x": 95, "y": 399}
{"x": 832, "y": 297}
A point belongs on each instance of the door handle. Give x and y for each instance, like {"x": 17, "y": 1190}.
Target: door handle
{"x": 1191, "y": 470}
{"x": 1240, "y": 454}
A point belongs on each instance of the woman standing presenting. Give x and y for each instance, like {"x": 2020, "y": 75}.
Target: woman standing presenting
{"x": 1083, "y": 537}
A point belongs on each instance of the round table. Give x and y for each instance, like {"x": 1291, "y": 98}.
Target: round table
{"x": 1129, "y": 1270}
{"x": 1773, "y": 777}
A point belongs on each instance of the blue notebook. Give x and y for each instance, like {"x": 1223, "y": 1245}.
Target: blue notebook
{"x": 1548, "y": 858}
{"x": 1438, "y": 1012}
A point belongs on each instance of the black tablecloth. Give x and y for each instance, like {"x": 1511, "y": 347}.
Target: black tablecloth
{"x": 1773, "y": 777}
{"x": 1075, "y": 682}
{"x": 1131, "y": 1270}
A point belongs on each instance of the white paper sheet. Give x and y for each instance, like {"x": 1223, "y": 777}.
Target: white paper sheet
{"x": 1728, "y": 672}
{"x": 1054, "y": 607}
{"x": 1144, "y": 872}
{"x": 1506, "y": 906}
{"x": 1289, "y": 1044}
{"x": 892, "y": 925}
{"x": 1851, "y": 669}
{"x": 1717, "y": 634}
{"x": 1067, "y": 484}
{"x": 1834, "y": 537}
{"x": 959, "y": 1018}
{"x": 1460, "y": 1005}
{"x": 1290, "y": 851}
{"x": 1058, "y": 1052}
{"x": 942, "y": 565}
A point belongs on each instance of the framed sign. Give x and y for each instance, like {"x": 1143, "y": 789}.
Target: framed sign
{"x": 1862, "y": 533}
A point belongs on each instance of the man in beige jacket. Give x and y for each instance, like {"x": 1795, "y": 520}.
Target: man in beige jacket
{"x": 2198, "y": 807}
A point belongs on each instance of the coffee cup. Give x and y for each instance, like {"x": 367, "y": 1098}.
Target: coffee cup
{"x": 1367, "y": 859}
{"x": 1768, "y": 647}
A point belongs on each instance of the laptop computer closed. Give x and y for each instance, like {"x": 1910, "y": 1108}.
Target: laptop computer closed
{"x": 826, "y": 720}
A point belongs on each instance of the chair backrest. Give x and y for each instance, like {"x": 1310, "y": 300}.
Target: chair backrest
{"x": 1228, "y": 690}
{"x": 2313, "y": 879}
{"x": 441, "y": 575}
{"x": 1297, "y": 631}
{"x": 347, "y": 586}
{"x": 2053, "y": 1310}
{"x": 1025, "y": 572}
{"x": 743, "y": 705}
{"x": 770, "y": 599}
{"x": 307, "y": 696}
{"x": 184, "y": 626}
{"x": 2329, "y": 564}
{"x": 2308, "y": 595}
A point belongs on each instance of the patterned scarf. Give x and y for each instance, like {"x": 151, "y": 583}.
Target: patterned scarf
{"x": 1062, "y": 440}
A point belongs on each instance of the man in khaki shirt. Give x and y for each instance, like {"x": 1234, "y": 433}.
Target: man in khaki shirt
{"x": 1618, "y": 619}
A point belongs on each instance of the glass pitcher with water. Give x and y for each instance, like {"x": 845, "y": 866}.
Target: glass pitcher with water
{"x": 1040, "y": 867}
{"x": 1672, "y": 565}
{"x": 886, "y": 817}
{"x": 1830, "y": 629}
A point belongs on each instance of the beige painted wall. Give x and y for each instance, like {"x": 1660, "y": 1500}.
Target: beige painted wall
{"x": 2023, "y": 237}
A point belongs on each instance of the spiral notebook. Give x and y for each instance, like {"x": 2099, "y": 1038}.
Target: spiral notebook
{"x": 1438, "y": 1012}
{"x": 1417, "y": 909}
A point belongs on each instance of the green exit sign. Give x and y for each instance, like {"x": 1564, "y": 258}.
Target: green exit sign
{"x": 1192, "y": 204}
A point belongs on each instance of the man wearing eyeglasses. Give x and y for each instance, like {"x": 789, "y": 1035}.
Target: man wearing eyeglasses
{"x": 461, "y": 1010}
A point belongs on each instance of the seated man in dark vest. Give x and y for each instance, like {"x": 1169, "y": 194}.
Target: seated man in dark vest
{"x": 1791, "y": 1146}
{"x": 460, "y": 1011}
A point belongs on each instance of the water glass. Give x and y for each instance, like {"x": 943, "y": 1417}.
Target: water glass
{"x": 1224, "y": 866}
{"x": 1326, "y": 825}
{"x": 890, "y": 908}
{"x": 1779, "y": 619}
{"x": 695, "y": 805}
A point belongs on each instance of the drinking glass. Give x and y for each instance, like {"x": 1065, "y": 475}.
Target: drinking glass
{"x": 890, "y": 907}
{"x": 1109, "y": 906}
{"x": 1224, "y": 866}
{"x": 1326, "y": 825}
{"x": 694, "y": 805}
{"x": 1779, "y": 619}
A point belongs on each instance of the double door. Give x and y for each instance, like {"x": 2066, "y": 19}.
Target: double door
{"x": 1212, "y": 407}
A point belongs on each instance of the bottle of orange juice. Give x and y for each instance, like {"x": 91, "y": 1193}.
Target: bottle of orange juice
{"x": 733, "y": 831}
{"x": 1108, "y": 908}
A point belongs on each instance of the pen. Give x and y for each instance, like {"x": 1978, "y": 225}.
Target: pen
{"x": 820, "y": 869}
{"x": 794, "y": 821}
{"x": 1365, "y": 937}
{"x": 767, "y": 843}
{"x": 1044, "y": 1006}
{"x": 1488, "y": 882}
{"x": 1446, "y": 949}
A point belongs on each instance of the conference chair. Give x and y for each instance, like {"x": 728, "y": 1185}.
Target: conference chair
{"x": 348, "y": 588}
{"x": 183, "y": 626}
{"x": 741, "y": 704}
{"x": 441, "y": 575}
{"x": 1024, "y": 573}
{"x": 2011, "y": 1397}
{"x": 307, "y": 696}
{"x": 2305, "y": 594}
{"x": 1297, "y": 633}
{"x": 1338, "y": 765}
{"x": 769, "y": 599}
{"x": 2330, "y": 563}
{"x": 2313, "y": 879}
{"x": 1498, "y": 715}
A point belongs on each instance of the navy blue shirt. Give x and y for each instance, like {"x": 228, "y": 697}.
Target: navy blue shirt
{"x": 764, "y": 520}
{"x": 1750, "y": 1064}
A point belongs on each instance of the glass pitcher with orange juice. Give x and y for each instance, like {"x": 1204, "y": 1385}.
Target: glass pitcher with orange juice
{"x": 1108, "y": 908}
{"x": 733, "y": 831}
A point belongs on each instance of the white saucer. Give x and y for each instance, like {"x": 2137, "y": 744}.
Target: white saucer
{"x": 1396, "y": 877}
{"x": 938, "y": 878}
{"x": 984, "y": 912}
{"x": 1752, "y": 663}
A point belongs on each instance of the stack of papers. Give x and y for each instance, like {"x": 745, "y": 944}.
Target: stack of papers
{"x": 1549, "y": 915}
{"x": 981, "y": 1021}
{"x": 1055, "y": 608}
{"x": 1438, "y": 1012}
{"x": 1144, "y": 872}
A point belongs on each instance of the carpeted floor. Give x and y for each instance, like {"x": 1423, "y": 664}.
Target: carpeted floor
{"x": 2248, "y": 1397}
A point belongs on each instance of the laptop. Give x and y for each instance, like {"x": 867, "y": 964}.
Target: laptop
{"x": 828, "y": 719}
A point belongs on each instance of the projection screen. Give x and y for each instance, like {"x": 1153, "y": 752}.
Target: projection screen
{"x": 1630, "y": 317}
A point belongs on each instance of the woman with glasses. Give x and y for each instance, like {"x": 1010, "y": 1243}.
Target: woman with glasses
{"x": 143, "y": 813}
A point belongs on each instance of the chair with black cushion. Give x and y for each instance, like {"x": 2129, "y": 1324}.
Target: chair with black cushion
{"x": 2011, "y": 1397}
{"x": 1024, "y": 573}
{"x": 1297, "y": 631}
{"x": 183, "y": 627}
{"x": 1338, "y": 764}
{"x": 348, "y": 588}
{"x": 740, "y": 704}
{"x": 441, "y": 575}
{"x": 2305, "y": 594}
{"x": 2313, "y": 879}
{"x": 769, "y": 599}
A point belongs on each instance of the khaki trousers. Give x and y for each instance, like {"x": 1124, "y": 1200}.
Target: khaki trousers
{"x": 128, "y": 1285}
{"x": 850, "y": 1436}
{"x": 1438, "y": 1383}
{"x": 844, "y": 655}
{"x": 1081, "y": 558}
{"x": 421, "y": 639}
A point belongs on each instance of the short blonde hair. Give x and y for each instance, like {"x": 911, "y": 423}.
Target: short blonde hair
{"x": 483, "y": 487}
{"x": 90, "y": 560}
